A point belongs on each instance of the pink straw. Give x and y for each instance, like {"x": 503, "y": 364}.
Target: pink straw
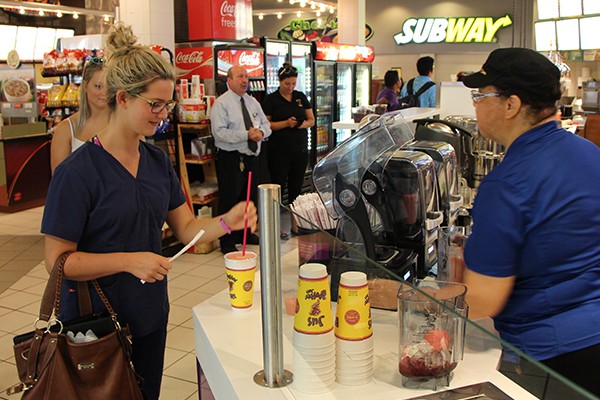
{"x": 246, "y": 213}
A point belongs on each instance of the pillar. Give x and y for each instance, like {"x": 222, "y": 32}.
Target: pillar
{"x": 152, "y": 21}
{"x": 351, "y": 21}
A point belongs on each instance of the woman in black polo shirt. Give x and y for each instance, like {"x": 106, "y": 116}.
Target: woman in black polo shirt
{"x": 290, "y": 114}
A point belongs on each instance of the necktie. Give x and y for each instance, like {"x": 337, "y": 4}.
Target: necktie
{"x": 252, "y": 145}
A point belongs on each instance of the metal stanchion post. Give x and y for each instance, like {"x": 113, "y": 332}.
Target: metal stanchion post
{"x": 273, "y": 375}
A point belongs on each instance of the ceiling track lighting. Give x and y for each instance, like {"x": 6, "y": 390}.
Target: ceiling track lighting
{"x": 317, "y": 7}
{"x": 52, "y": 10}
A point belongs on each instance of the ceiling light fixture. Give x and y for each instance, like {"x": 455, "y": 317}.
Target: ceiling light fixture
{"x": 300, "y": 10}
{"x": 52, "y": 10}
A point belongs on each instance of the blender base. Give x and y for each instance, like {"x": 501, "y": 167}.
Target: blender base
{"x": 430, "y": 383}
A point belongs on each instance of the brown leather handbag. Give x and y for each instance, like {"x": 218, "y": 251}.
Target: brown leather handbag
{"x": 51, "y": 366}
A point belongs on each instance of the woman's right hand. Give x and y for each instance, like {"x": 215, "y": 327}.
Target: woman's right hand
{"x": 148, "y": 266}
{"x": 292, "y": 122}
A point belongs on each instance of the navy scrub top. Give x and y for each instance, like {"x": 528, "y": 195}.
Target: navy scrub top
{"x": 94, "y": 201}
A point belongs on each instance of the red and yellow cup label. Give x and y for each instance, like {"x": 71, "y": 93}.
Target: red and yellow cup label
{"x": 313, "y": 306}
{"x": 241, "y": 287}
{"x": 353, "y": 313}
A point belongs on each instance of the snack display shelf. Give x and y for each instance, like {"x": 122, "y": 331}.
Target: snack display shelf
{"x": 192, "y": 160}
{"x": 62, "y": 73}
{"x": 229, "y": 353}
{"x": 204, "y": 200}
{"x": 409, "y": 114}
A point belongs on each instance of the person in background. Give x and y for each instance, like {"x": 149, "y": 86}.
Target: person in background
{"x": 92, "y": 116}
{"x": 238, "y": 140}
{"x": 290, "y": 115}
{"x": 108, "y": 202}
{"x": 389, "y": 94}
{"x": 425, "y": 69}
{"x": 533, "y": 258}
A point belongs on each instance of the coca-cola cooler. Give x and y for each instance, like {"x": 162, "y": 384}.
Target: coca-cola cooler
{"x": 208, "y": 37}
{"x": 251, "y": 57}
{"x": 211, "y": 61}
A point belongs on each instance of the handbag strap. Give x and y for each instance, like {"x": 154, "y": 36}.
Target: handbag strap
{"x": 51, "y": 298}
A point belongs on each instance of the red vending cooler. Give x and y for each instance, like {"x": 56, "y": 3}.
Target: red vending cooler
{"x": 211, "y": 60}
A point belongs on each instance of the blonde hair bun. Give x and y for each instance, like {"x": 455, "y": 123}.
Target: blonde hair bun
{"x": 119, "y": 37}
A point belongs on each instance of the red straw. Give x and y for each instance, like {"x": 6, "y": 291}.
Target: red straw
{"x": 246, "y": 213}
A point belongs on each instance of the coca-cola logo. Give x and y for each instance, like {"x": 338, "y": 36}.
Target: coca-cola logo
{"x": 250, "y": 59}
{"x": 195, "y": 57}
{"x": 227, "y": 10}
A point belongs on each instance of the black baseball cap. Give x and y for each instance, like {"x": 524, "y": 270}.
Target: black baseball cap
{"x": 524, "y": 72}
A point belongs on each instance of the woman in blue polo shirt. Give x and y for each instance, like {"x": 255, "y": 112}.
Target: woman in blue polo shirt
{"x": 534, "y": 254}
{"x": 108, "y": 201}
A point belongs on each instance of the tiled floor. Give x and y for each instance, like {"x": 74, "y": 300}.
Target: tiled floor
{"x": 194, "y": 278}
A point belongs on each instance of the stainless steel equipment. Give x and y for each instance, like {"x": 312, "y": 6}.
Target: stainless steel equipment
{"x": 385, "y": 198}
{"x": 591, "y": 96}
{"x": 407, "y": 203}
{"x": 444, "y": 158}
{"x": 459, "y": 137}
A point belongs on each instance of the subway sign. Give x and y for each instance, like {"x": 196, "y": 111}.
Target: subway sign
{"x": 451, "y": 30}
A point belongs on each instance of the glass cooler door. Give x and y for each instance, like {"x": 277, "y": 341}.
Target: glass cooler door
{"x": 301, "y": 59}
{"x": 276, "y": 55}
{"x": 344, "y": 99}
{"x": 324, "y": 81}
{"x": 363, "y": 84}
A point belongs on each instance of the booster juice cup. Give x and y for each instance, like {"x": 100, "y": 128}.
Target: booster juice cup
{"x": 240, "y": 277}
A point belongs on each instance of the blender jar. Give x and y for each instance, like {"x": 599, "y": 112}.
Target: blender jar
{"x": 432, "y": 324}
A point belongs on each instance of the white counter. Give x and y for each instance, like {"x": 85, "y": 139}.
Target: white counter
{"x": 229, "y": 350}
{"x": 409, "y": 114}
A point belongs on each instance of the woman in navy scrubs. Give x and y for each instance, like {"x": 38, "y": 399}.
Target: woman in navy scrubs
{"x": 109, "y": 200}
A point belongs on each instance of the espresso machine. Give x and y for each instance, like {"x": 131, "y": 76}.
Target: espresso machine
{"x": 385, "y": 200}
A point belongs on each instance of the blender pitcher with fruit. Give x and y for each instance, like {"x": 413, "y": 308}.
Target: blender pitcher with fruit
{"x": 432, "y": 322}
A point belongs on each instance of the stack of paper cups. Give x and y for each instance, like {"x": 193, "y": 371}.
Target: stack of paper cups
{"x": 210, "y": 101}
{"x": 195, "y": 88}
{"x": 353, "y": 330}
{"x": 313, "y": 339}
